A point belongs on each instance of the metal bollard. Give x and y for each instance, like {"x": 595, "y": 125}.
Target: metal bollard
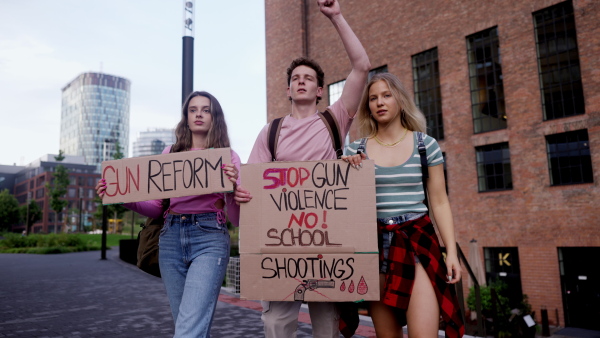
{"x": 545, "y": 324}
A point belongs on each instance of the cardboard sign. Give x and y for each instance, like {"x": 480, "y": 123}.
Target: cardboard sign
{"x": 310, "y": 277}
{"x": 309, "y": 232}
{"x": 179, "y": 174}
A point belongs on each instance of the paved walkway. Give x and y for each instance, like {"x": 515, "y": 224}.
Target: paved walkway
{"x": 79, "y": 295}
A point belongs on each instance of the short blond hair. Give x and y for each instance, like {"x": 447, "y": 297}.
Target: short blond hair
{"x": 411, "y": 117}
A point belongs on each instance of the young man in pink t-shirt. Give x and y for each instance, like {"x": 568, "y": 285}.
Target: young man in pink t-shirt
{"x": 305, "y": 137}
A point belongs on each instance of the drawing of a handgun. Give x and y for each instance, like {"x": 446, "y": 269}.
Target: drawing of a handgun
{"x": 311, "y": 285}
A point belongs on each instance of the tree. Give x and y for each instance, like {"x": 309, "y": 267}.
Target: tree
{"x": 58, "y": 189}
{"x": 118, "y": 154}
{"x": 9, "y": 210}
{"x": 30, "y": 216}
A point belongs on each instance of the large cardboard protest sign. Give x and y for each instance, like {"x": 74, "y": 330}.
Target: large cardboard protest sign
{"x": 309, "y": 233}
{"x": 179, "y": 174}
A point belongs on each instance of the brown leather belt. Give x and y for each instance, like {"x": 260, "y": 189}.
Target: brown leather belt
{"x": 173, "y": 212}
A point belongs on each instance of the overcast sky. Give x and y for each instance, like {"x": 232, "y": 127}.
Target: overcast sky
{"x": 44, "y": 45}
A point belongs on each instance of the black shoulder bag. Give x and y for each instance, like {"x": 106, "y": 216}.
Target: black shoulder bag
{"x": 147, "y": 252}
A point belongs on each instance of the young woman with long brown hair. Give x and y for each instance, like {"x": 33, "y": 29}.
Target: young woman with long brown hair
{"x": 194, "y": 242}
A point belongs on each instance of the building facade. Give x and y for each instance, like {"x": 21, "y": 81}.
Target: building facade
{"x": 95, "y": 116}
{"x": 511, "y": 91}
{"x": 152, "y": 142}
{"x": 29, "y": 183}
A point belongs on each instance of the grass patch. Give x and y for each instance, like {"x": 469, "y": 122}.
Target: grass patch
{"x": 111, "y": 239}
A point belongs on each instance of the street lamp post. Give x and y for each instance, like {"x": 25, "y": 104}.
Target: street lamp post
{"x": 188, "y": 49}
{"x": 104, "y": 211}
{"x": 80, "y": 211}
{"x": 27, "y": 219}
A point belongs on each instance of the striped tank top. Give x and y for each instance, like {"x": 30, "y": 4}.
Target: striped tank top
{"x": 399, "y": 189}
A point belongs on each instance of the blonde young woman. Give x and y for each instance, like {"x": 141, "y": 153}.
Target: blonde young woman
{"x": 415, "y": 281}
{"x": 194, "y": 242}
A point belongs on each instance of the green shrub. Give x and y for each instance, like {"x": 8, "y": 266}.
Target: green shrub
{"x": 505, "y": 328}
{"x": 46, "y": 244}
{"x": 486, "y": 298}
{"x": 13, "y": 240}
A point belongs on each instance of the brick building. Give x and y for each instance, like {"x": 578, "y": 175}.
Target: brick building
{"x": 30, "y": 182}
{"x": 511, "y": 90}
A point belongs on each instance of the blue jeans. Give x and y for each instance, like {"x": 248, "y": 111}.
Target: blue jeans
{"x": 193, "y": 257}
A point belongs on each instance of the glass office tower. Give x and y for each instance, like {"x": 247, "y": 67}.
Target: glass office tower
{"x": 95, "y": 116}
{"x": 153, "y": 142}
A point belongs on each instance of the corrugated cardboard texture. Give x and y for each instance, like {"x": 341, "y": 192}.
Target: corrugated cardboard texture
{"x": 179, "y": 174}
{"x": 308, "y": 208}
{"x": 311, "y": 277}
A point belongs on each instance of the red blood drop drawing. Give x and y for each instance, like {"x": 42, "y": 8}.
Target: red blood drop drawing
{"x": 362, "y": 286}
{"x": 343, "y": 286}
{"x": 320, "y": 256}
{"x": 351, "y": 287}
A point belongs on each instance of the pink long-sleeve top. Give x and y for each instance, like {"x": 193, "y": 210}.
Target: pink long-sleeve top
{"x": 194, "y": 204}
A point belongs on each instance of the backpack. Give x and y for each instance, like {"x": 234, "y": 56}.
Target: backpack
{"x": 330, "y": 123}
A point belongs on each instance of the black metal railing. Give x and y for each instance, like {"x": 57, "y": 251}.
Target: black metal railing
{"x": 479, "y": 329}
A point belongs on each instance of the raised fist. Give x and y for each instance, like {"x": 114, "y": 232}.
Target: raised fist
{"x": 329, "y": 7}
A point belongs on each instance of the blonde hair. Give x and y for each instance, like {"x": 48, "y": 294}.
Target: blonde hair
{"x": 411, "y": 117}
{"x": 217, "y": 134}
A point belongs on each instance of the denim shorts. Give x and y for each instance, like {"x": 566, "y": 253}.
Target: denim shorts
{"x": 388, "y": 236}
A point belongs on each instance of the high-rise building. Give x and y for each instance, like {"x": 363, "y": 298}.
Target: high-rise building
{"x": 512, "y": 94}
{"x": 153, "y": 141}
{"x": 95, "y": 116}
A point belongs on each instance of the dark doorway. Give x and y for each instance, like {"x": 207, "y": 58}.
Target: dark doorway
{"x": 503, "y": 264}
{"x": 580, "y": 285}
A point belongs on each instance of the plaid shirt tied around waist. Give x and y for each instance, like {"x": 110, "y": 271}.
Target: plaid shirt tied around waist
{"x": 418, "y": 237}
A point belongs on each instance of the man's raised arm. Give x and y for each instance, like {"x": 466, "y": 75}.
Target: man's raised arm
{"x": 356, "y": 80}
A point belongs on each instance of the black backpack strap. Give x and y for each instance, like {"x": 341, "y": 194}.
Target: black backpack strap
{"x": 424, "y": 166}
{"x": 362, "y": 145}
{"x": 334, "y": 131}
{"x": 273, "y": 136}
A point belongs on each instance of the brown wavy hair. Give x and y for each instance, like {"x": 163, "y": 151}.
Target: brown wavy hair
{"x": 310, "y": 63}
{"x": 411, "y": 117}
{"x": 217, "y": 134}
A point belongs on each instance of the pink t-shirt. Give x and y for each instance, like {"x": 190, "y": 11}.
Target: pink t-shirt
{"x": 306, "y": 139}
{"x": 193, "y": 204}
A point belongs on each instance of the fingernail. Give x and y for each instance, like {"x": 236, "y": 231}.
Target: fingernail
{"x": 360, "y": 165}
